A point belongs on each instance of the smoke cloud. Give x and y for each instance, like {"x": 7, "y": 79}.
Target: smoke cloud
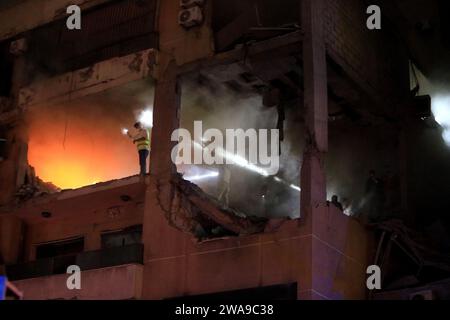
{"x": 222, "y": 108}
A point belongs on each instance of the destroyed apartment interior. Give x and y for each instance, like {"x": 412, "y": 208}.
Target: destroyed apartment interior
{"x": 357, "y": 120}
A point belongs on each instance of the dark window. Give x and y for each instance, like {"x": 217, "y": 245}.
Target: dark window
{"x": 6, "y": 69}
{"x": 120, "y": 238}
{"x": 60, "y": 248}
{"x": 115, "y": 28}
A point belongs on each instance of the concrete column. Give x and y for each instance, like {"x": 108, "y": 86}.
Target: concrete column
{"x": 11, "y": 238}
{"x": 14, "y": 168}
{"x": 20, "y": 75}
{"x": 159, "y": 191}
{"x": 313, "y": 180}
{"x": 19, "y": 80}
{"x": 162, "y": 242}
{"x": 165, "y": 119}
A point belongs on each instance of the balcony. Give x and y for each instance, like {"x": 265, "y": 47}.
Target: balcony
{"x": 112, "y": 283}
{"x": 114, "y": 273}
{"x": 89, "y": 260}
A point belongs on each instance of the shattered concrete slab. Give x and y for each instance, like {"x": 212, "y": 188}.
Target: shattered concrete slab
{"x": 194, "y": 211}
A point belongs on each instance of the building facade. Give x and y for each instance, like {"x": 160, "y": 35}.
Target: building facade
{"x": 135, "y": 240}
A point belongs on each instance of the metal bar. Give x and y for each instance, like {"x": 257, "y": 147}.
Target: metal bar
{"x": 14, "y": 290}
{"x": 380, "y": 244}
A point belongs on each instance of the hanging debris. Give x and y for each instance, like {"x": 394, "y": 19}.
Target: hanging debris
{"x": 193, "y": 211}
{"x": 427, "y": 264}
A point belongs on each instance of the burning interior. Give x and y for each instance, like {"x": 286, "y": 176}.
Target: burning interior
{"x": 81, "y": 143}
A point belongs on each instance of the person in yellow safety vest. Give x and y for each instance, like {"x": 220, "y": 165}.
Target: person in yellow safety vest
{"x": 142, "y": 141}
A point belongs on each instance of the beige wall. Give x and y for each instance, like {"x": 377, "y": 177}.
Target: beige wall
{"x": 113, "y": 283}
{"x": 90, "y": 225}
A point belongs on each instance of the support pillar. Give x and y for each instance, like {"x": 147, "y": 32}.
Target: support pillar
{"x": 20, "y": 74}
{"x": 165, "y": 119}
{"x": 313, "y": 181}
{"x": 14, "y": 168}
{"x": 163, "y": 244}
{"x": 11, "y": 239}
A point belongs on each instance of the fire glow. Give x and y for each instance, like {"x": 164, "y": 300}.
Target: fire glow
{"x": 76, "y": 147}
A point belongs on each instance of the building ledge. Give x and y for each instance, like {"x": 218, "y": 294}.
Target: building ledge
{"x": 87, "y": 260}
{"x": 90, "y": 198}
{"x": 112, "y": 283}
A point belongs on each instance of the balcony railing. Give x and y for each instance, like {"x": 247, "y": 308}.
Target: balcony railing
{"x": 86, "y": 261}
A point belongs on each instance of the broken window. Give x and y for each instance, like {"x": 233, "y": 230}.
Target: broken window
{"x": 121, "y": 238}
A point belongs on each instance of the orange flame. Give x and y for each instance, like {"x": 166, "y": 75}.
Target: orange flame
{"x": 82, "y": 149}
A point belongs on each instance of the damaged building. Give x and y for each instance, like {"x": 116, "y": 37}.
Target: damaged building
{"x": 346, "y": 102}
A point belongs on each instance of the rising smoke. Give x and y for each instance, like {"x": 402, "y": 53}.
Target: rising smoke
{"x": 254, "y": 194}
{"x": 430, "y": 154}
{"x": 355, "y": 149}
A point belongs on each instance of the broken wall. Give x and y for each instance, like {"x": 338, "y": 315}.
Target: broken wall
{"x": 326, "y": 256}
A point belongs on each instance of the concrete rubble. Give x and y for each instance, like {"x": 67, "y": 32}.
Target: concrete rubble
{"x": 34, "y": 187}
{"x": 194, "y": 211}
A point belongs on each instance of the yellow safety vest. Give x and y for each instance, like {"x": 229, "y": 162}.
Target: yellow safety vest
{"x": 144, "y": 144}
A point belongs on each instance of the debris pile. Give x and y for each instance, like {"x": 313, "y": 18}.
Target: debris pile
{"x": 195, "y": 212}
{"x": 34, "y": 187}
{"x": 400, "y": 246}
